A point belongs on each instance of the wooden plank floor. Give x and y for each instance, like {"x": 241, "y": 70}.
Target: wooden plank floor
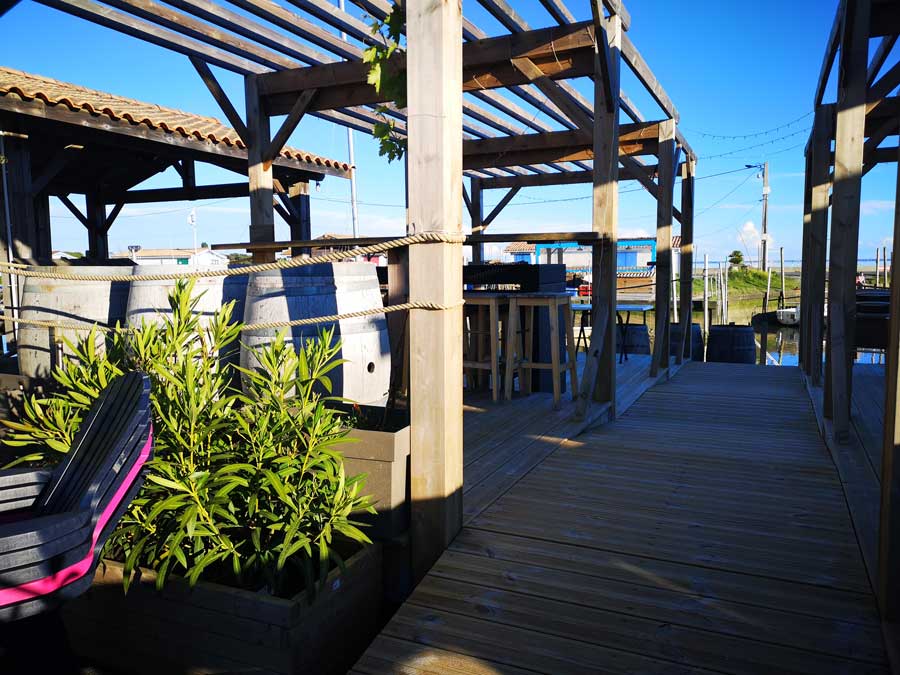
{"x": 703, "y": 531}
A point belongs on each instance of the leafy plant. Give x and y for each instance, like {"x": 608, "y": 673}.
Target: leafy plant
{"x": 245, "y": 488}
{"x": 388, "y": 79}
{"x": 736, "y": 258}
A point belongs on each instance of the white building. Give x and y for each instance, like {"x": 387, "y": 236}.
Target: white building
{"x": 175, "y": 256}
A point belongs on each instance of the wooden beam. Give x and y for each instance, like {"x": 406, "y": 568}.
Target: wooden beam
{"x": 647, "y": 172}
{"x": 888, "y": 591}
{"x": 849, "y": 131}
{"x": 820, "y": 185}
{"x": 878, "y": 59}
{"x": 507, "y": 198}
{"x": 556, "y": 146}
{"x": 262, "y": 214}
{"x": 98, "y": 238}
{"x": 219, "y": 191}
{"x": 640, "y": 68}
{"x": 52, "y": 168}
{"x": 604, "y": 220}
{"x": 558, "y": 52}
{"x": 603, "y": 72}
{"x": 221, "y": 98}
{"x": 664, "y": 212}
{"x": 110, "y": 18}
{"x": 476, "y": 213}
{"x": 301, "y": 105}
{"x": 559, "y": 11}
{"x": 113, "y": 214}
{"x": 434, "y": 36}
{"x": 74, "y": 210}
{"x": 6, "y": 5}
{"x": 533, "y": 74}
{"x": 686, "y": 260}
{"x": 830, "y": 53}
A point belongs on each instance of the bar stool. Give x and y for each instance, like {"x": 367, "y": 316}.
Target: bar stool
{"x": 481, "y": 343}
{"x": 519, "y": 350}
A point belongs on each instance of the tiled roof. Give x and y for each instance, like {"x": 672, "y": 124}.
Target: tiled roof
{"x": 519, "y": 247}
{"x": 93, "y": 103}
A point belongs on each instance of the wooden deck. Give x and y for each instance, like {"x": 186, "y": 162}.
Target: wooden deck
{"x": 704, "y": 530}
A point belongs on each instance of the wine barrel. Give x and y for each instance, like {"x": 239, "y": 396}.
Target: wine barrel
{"x": 731, "y": 344}
{"x": 323, "y": 290}
{"x": 148, "y": 300}
{"x": 637, "y": 339}
{"x": 61, "y": 300}
{"x": 696, "y": 341}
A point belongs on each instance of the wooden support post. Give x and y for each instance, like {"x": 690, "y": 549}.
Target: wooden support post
{"x": 301, "y": 224}
{"x": 705, "y": 295}
{"x": 877, "y": 268}
{"x": 889, "y": 527}
{"x": 884, "y": 267}
{"x": 781, "y": 299}
{"x": 262, "y": 213}
{"x": 687, "y": 259}
{"x": 820, "y": 184}
{"x": 848, "y": 166}
{"x": 98, "y": 240}
{"x": 664, "y": 207}
{"x": 476, "y": 212}
{"x": 605, "y": 218}
{"x": 805, "y": 265}
{"x": 434, "y": 40}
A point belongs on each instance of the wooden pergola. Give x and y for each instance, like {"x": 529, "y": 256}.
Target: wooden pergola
{"x": 497, "y": 135}
{"x": 863, "y": 116}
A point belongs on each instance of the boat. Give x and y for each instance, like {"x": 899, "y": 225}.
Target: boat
{"x": 788, "y": 316}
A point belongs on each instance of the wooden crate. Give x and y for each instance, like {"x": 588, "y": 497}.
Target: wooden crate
{"x": 216, "y": 629}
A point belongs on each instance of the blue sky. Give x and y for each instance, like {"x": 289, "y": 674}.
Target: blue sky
{"x": 730, "y": 69}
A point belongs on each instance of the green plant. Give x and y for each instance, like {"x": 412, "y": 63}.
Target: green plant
{"x": 736, "y": 258}
{"x": 388, "y": 79}
{"x": 245, "y": 488}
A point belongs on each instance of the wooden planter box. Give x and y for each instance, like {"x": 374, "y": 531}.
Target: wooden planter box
{"x": 216, "y": 629}
{"x": 384, "y": 457}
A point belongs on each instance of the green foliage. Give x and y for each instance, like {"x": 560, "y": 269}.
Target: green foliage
{"x": 245, "y": 488}
{"x": 388, "y": 79}
{"x": 736, "y": 258}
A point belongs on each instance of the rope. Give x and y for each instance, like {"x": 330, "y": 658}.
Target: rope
{"x": 288, "y": 263}
{"x": 308, "y": 321}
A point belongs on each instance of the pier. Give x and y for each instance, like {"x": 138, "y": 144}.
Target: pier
{"x": 686, "y": 535}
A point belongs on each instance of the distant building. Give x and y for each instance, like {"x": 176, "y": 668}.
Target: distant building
{"x": 175, "y": 256}
{"x": 634, "y": 256}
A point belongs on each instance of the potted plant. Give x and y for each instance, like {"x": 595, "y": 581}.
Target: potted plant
{"x": 241, "y": 552}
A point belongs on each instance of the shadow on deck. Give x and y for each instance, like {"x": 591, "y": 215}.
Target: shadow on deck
{"x": 705, "y": 529}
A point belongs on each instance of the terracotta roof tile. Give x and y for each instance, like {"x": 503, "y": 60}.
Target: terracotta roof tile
{"x": 519, "y": 247}
{"x": 29, "y": 87}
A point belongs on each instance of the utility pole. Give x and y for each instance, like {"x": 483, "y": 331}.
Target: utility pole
{"x": 764, "y": 262}
{"x": 354, "y": 212}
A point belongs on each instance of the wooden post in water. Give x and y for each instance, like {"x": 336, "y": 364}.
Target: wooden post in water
{"x": 781, "y": 299}
{"x": 705, "y": 296}
{"x": 434, "y": 40}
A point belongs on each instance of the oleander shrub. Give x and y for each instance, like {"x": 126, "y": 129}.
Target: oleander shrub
{"x": 246, "y": 487}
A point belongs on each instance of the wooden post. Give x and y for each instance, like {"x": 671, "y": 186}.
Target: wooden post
{"x": 848, "y": 165}
{"x": 820, "y": 184}
{"x": 803, "y": 351}
{"x": 889, "y": 527}
{"x": 605, "y": 216}
{"x": 476, "y": 211}
{"x": 301, "y": 225}
{"x": 98, "y": 240}
{"x": 884, "y": 274}
{"x": 674, "y": 314}
{"x": 781, "y": 265}
{"x": 705, "y": 295}
{"x": 434, "y": 40}
{"x": 687, "y": 259}
{"x": 664, "y": 211}
{"x": 259, "y": 172}
{"x": 877, "y": 268}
